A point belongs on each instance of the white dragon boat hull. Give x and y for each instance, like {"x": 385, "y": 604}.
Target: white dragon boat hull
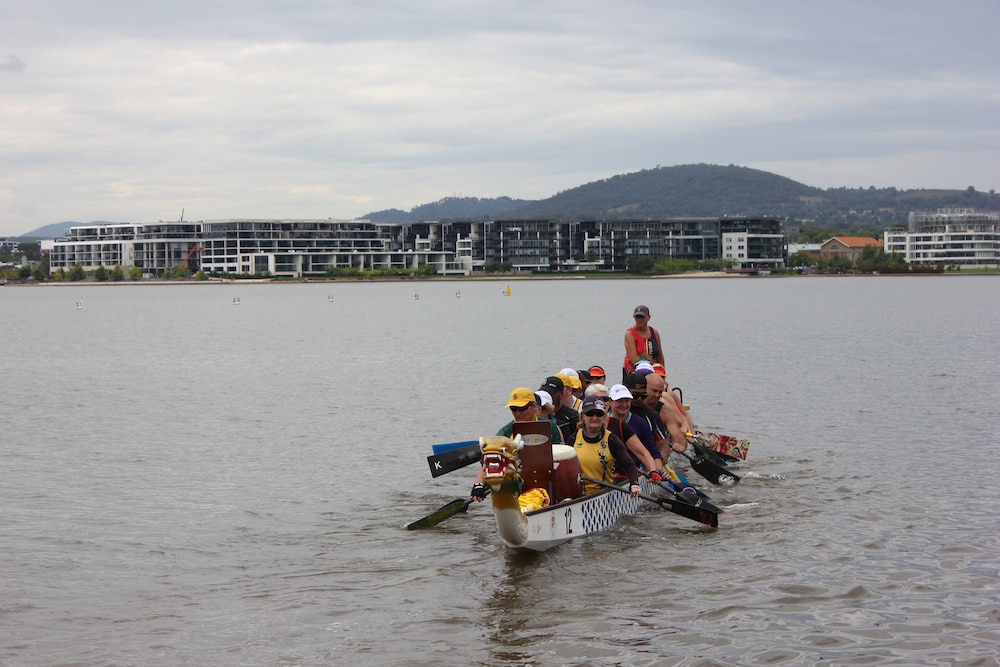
{"x": 544, "y": 528}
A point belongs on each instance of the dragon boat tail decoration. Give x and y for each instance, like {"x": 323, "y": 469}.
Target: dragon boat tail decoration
{"x": 536, "y": 494}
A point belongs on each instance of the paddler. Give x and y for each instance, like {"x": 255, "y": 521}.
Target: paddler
{"x": 602, "y": 453}
{"x": 524, "y": 406}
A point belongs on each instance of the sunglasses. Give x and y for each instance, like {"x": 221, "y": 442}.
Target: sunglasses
{"x": 593, "y": 413}
{"x": 636, "y": 396}
{"x": 514, "y": 408}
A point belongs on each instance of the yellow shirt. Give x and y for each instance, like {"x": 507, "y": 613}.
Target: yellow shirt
{"x": 595, "y": 460}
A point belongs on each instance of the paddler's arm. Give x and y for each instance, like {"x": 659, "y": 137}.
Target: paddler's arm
{"x": 622, "y": 459}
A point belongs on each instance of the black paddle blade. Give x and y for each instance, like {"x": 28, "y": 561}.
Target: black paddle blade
{"x": 712, "y": 455}
{"x": 714, "y": 473}
{"x": 688, "y": 495}
{"x": 696, "y": 501}
{"x": 434, "y": 518}
{"x": 450, "y": 461}
{"x": 702, "y": 514}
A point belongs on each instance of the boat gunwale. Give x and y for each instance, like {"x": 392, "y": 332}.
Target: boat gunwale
{"x": 582, "y": 499}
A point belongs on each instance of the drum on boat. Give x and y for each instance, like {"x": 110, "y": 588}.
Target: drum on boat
{"x": 565, "y": 473}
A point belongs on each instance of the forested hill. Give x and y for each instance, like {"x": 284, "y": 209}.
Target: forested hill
{"x": 689, "y": 190}
{"x": 709, "y": 191}
{"x": 452, "y": 208}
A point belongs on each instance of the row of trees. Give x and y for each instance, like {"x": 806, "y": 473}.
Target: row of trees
{"x": 424, "y": 271}
{"x": 101, "y": 274}
{"x": 871, "y": 260}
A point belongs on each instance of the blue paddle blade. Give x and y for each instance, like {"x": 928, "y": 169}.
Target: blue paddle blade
{"x": 449, "y": 446}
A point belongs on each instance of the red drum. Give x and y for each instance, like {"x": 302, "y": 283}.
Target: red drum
{"x": 566, "y": 474}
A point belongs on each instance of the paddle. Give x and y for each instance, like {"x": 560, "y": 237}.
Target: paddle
{"x": 687, "y": 494}
{"x": 709, "y": 454}
{"x": 456, "y": 506}
{"x": 713, "y": 472}
{"x": 699, "y": 514}
{"x": 449, "y": 446}
{"x": 677, "y": 476}
{"x": 450, "y": 461}
{"x": 728, "y": 447}
{"x": 679, "y": 481}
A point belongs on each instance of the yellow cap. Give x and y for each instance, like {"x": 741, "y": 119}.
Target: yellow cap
{"x": 520, "y": 397}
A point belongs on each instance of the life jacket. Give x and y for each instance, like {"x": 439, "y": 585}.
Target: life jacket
{"x": 643, "y": 346}
{"x": 595, "y": 459}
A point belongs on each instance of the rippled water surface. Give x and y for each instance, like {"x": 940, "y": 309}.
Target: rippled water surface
{"x": 186, "y": 481}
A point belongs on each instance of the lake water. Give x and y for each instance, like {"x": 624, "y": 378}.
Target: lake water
{"x": 186, "y": 481}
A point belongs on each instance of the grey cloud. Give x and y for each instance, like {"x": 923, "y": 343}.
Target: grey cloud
{"x": 13, "y": 64}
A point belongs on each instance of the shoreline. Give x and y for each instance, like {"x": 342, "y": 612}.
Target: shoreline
{"x": 616, "y": 276}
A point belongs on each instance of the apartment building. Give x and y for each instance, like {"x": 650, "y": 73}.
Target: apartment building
{"x": 960, "y": 236}
{"x": 304, "y": 247}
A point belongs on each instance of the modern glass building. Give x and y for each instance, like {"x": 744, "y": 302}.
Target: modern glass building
{"x": 309, "y": 247}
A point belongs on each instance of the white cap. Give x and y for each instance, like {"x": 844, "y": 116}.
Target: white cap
{"x": 570, "y": 372}
{"x": 619, "y": 391}
{"x": 544, "y": 397}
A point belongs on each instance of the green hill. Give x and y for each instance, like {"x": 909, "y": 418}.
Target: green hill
{"x": 692, "y": 190}
{"x": 705, "y": 190}
{"x": 689, "y": 190}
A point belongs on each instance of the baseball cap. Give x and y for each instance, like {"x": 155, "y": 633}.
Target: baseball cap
{"x": 660, "y": 370}
{"x": 635, "y": 381}
{"x": 544, "y": 397}
{"x": 641, "y": 310}
{"x": 619, "y": 391}
{"x": 552, "y": 385}
{"x": 596, "y": 372}
{"x": 570, "y": 380}
{"x": 520, "y": 397}
{"x": 643, "y": 367}
{"x": 593, "y": 403}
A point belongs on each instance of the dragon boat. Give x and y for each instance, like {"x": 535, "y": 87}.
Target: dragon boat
{"x": 517, "y": 468}
{"x": 570, "y": 515}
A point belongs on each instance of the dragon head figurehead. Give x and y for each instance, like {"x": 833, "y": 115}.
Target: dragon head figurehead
{"x": 502, "y": 463}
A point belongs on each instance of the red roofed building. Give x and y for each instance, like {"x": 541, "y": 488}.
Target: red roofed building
{"x": 847, "y": 246}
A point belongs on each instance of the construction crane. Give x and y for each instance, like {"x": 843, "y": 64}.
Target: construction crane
{"x": 195, "y": 248}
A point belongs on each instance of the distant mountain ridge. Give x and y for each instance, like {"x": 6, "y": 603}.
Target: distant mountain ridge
{"x": 701, "y": 190}
{"x": 705, "y": 190}
{"x": 692, "y": 190}
{"x": 58, "y": 229}
{"x": 450, "y": 208}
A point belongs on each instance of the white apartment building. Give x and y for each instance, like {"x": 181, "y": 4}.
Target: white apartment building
{"x": 246, "y": 246}
{"x": 153, "y": 247}
{"x": 954, "y": 235}
{"x": 299, "y": 248}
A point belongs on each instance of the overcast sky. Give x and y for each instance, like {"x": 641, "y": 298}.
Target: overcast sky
{"x": 132, "y": 110}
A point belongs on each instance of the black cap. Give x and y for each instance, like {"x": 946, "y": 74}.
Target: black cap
{"x": 594, "y": 403}
{"x": 553, "y": 385}
{"x": 635, "y": 381}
